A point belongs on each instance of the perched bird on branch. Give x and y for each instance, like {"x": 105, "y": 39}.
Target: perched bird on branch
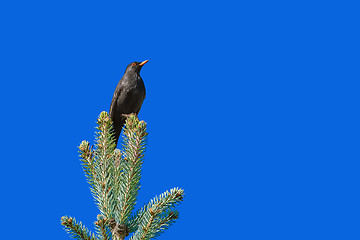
{"x": 128, "y": 96}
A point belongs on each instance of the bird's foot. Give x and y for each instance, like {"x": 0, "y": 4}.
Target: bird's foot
{"x": 128, "y": 115}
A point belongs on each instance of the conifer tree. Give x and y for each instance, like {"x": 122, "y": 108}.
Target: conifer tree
{"x": 114, "y": 178}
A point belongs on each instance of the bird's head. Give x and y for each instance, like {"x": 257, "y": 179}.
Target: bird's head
{"x": 135, "y": 66}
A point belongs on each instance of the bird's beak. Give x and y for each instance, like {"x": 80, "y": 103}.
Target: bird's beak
{"x": 141, "y": 64}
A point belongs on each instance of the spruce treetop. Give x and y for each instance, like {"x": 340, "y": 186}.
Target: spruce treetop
{"x": 114, "y": 177}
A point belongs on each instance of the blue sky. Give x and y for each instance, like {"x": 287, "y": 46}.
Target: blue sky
{"x": 252, "y": 108}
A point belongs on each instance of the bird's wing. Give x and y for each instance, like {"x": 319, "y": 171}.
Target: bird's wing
{"x": 113, "y": 102}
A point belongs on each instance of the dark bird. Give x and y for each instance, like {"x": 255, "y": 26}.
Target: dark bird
{"x": 128, "y": 97}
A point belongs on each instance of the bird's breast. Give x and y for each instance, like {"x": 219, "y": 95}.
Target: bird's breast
{"x": 132, "y": 97}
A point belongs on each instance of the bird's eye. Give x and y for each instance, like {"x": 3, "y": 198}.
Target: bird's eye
{"x": 133, "y": 64}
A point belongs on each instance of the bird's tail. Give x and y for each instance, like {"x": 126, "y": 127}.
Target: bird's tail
{"x": 117, "y": 130}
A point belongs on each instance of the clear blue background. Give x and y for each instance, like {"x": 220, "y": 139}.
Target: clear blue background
{"x": 252, "y": 108}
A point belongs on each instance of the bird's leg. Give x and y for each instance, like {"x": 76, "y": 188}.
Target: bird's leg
{"x": 128, "y": 115}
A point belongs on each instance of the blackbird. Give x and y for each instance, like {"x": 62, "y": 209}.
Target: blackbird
{"x": 128, "y": 97}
